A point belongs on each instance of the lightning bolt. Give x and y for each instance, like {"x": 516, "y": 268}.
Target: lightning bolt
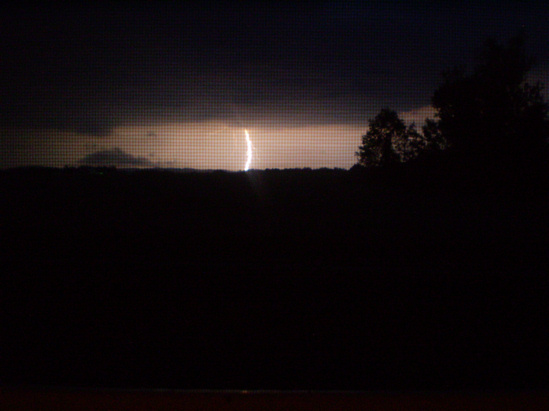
{"x": 249, "y": 152}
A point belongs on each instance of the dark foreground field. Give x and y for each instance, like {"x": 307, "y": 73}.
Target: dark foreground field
{"x": 60, "y": 399}
{"x": 325, "y": 279}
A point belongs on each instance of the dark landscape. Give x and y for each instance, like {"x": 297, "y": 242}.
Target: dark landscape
{"x": 274, "y": 205}
{"x": 327, "y": 279}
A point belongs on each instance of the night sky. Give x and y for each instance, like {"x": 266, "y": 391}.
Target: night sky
{"x": 176, "y": 84}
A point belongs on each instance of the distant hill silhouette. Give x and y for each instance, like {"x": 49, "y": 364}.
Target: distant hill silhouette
{"x": 114, "y": 157}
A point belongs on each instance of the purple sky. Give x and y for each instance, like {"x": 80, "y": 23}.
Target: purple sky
{"x": 176, "y": 84}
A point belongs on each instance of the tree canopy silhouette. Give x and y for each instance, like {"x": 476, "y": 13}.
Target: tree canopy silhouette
{"x": 388, "y": 141}
{"x": 493, "y": 118}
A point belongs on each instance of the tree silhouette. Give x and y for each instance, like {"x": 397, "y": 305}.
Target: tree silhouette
{"x": 432, "y": 137}
{"x": 493, "y": 118}
{"x": 388, "y": 141}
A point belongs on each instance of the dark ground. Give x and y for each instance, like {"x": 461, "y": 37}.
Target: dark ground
{"x": 113, "y": 400}
{"x": 324, "y": 279}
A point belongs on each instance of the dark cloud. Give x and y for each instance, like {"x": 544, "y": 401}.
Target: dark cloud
{"x": 88, "y": 68}
{"x": 114, "y": 157}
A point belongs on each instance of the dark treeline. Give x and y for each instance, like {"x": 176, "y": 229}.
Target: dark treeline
{"x": 491, "y": 121}
{"x": 399, "y": 278}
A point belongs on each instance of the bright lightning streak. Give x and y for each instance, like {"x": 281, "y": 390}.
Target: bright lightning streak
{"x": 249, "y": 152}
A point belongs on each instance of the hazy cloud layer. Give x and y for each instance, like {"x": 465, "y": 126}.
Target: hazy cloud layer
{"x": 88, "y": 69}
